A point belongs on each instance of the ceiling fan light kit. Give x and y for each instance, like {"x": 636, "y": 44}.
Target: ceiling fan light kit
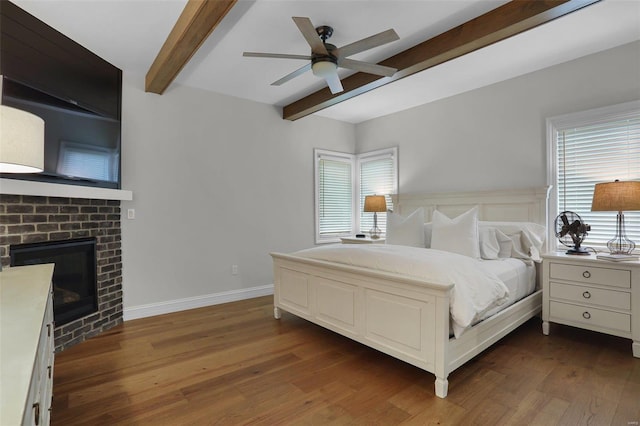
{"x": 324, "y": 68}
{"x": 326, "y": 58}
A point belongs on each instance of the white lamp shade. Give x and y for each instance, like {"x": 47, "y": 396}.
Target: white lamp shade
{"x": 324, "y": 68}
{"x": 21, "y": 141}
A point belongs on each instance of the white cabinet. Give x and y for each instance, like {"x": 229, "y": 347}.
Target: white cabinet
{"x": 38, "y": 406}
{"x": 593, "y": 294}
{"x": 27, "y": 345}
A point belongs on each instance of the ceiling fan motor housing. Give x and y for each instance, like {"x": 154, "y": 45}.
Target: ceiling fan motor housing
{"x": 325, "y": 32}
{"x": 326, "y": 58}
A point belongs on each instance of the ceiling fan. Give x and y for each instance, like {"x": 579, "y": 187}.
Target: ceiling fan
{"x": 326, "y": 58}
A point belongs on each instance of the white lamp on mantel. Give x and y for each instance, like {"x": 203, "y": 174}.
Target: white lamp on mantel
{"x": 21, "y": 141}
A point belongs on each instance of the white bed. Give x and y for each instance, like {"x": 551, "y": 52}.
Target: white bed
{"x": 409, "y": 317}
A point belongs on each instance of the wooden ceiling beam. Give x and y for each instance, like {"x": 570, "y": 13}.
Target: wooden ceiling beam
{"x": 503, "y": 22}
{"x": 198, "y": 19}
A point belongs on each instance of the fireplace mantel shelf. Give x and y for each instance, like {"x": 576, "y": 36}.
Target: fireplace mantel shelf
{"x": 24, "y": 187}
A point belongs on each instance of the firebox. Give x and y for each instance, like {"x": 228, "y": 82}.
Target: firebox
{"x": 74, "y": 276}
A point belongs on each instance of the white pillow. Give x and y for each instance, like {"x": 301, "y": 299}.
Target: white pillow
{"x": 407, "y": 231}
{"x": 459, "y": 235}
{"x": 489, "y": 244}
{"x": 528, "y": 238}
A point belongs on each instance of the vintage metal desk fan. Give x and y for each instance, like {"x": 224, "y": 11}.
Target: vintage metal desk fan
{"x": 571, "y": 231}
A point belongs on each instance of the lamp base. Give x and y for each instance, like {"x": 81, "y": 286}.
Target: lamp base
{"x": 374, "y": 233}
{"x": 620, "y": 244}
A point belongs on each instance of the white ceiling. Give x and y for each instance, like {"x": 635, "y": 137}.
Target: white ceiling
{"x": 129, "y": 34}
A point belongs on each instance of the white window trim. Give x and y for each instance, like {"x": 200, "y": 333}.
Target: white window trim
{"x": 554, "y": 125}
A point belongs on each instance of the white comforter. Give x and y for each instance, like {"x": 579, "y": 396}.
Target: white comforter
{"x": 475, "y": 290}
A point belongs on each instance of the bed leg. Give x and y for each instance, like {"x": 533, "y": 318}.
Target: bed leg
{"x": 545, "y": 328}
{"x": 442, "y": 387}
{"x": 276, "y": 312}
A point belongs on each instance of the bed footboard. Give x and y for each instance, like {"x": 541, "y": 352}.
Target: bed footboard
{"x": 402, "y": 317}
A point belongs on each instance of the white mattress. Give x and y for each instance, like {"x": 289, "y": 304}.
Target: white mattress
{"x": 519, "y": 277}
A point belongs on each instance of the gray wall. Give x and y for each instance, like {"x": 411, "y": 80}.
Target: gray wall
{"x": 217, "y": 181}
{"x": 495, "y": 137}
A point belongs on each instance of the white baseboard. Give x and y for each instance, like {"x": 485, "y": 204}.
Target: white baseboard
{"x": 152, "y": 309}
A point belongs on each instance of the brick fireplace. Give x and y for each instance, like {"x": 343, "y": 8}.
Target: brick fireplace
{"x": 30, "y": 219}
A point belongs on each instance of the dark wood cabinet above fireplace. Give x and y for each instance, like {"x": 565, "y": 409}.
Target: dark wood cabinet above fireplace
{"x": 76, "y": 93}
{"x": 38, "y": 56}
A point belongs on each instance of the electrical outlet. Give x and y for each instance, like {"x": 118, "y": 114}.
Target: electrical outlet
{"x": 234, "y": 269}
{"x": 131, "y": 213}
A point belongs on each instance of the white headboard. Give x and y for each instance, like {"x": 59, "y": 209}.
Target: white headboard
{"x": 511, "y": 205}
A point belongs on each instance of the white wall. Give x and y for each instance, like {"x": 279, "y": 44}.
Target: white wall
{"x": 495, "y": 137}
{"x": 216, "y": 181}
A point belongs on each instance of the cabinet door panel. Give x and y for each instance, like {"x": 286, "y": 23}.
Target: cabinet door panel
{"x": 591, "y": 296}
{"x": 591, "y": 274}
{"x": 590, "y": 317}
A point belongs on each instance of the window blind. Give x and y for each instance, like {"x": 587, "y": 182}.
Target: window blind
{"x": 602, "y": 150}
{"x": 335, "y": 197}
{"x": 88, "y": 162}
{"x": 377, "y": 177}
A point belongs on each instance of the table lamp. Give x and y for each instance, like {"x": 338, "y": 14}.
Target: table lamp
{"x": 375, "y": 204}
{"x": 617, "y": 197}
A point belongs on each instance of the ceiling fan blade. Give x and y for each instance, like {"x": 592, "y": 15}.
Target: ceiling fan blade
{"x": 292, "y": 75}
{"x": 333, "y": 81}
{"x": 275, "y": 55}
{"x": 367, "y": 67}
{"x": 368, "y": 43}
{"x": 309, "y": 32}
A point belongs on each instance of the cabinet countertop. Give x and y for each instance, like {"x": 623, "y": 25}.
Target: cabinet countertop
{"x": 562, "y": 256}
{"x": 23, "y": 297}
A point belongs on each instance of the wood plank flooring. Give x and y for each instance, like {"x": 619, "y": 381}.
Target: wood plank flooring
{"x": 234, "y": 364}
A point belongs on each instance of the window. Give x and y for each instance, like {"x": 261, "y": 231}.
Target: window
{"x": 378, "y": 176}
{"x": 591, "y": 147}
{"x": 342, "y": 181}
{"x": 334, "y": 195}
{"x": 87, "y": 161}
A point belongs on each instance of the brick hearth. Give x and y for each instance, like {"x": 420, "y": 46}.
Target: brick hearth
{"x": 30, "y": 219}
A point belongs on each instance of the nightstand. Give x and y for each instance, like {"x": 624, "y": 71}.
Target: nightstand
{"x": 593, "y": 294}
{"x": 366, "y": 240}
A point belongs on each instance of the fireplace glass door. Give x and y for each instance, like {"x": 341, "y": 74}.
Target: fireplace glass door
{"x": 74, "y": 276}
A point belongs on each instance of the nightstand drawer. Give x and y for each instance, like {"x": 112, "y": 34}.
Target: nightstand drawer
{"x": 591, "y": 274}
{"x": 594, "y": 317}
{"x": 591, "y": 296}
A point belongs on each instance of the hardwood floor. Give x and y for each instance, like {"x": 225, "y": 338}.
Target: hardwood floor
{"x": 234, "y": 364}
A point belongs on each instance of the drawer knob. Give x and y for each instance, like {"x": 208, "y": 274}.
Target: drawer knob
{"x": 586, "y": 315}
{"x": 586, "y": 274}
{"x": 36, "y": 414}
{"x": 586, "y": 295}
